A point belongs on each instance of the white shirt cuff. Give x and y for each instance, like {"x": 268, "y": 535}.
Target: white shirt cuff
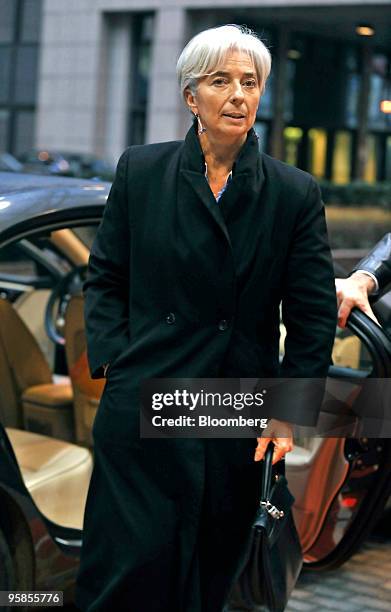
{"x": 373, "y": 277}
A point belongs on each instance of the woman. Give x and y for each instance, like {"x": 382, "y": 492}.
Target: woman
{"x": 199, "y": 242}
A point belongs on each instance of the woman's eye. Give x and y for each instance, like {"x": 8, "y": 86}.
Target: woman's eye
{"x": 219, "y": 81}
{"x": 250, "y": 83}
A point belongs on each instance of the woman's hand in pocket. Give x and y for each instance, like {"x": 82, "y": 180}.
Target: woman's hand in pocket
{"x": 281, "y": 434}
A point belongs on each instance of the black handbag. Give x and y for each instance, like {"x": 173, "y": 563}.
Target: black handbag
{"x": 273, "y": 557}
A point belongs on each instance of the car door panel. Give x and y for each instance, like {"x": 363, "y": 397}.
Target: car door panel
{"x": 335, "y": 479}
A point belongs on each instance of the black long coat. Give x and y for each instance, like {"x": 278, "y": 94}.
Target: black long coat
{"x": 180, "y": 286}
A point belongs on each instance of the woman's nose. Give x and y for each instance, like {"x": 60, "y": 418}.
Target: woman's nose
{"x": 237, "y": 91}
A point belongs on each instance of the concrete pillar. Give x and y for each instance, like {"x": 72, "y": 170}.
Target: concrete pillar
{"x": 66, "y": 105}
{"x": 113, "y": 87}
{"x": 165, "y": 107}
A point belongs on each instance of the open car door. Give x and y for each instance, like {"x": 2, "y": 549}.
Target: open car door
{"x": 341, "y": 484}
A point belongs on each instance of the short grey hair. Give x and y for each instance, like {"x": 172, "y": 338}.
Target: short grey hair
{"x": 207, "y": 50}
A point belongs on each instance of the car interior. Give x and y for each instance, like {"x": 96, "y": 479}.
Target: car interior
{"x": 48, "y": 401}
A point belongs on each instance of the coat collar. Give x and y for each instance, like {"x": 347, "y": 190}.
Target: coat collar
{"x": 247, "y": 162}
{"x": 246, "y": 181}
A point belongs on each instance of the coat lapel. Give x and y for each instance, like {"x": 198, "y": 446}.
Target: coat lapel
{"x": 246, "y": 183}
{"x": 198, "y": 183}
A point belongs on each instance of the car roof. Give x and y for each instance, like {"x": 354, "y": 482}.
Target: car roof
{"x": 64, "y": 152}
{"x": 28, "y": 201}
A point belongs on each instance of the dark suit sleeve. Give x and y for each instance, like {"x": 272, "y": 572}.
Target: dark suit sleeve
{"x": 309, "y": 307}
{"x": 106, "y": 289}
{"x": 378, "y": 261}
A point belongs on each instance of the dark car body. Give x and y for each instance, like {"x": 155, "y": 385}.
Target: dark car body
{"x": 44, "y": 554}
{"x": 66, "y": 163}
{"x": 39, "y": 553}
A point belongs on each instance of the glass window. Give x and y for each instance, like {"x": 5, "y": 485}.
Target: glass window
{"x": 350, "y": 352}
{"x": 5, "y": 73}
{"x": 379, "y": 64}
{"x": 353, "y": 82}
{"x": 290, "y": 84}
{"x": 147, "y": 28}
{"x": 86, "y": 234}
{"x": 48, "y": 254}
{"x": 19, "y": 45}
{"x": 352, "y": 97}
{"x": 7, "y": 20}
{"x": 317, "y": 150}
{"x": 14, "y": 261}
{"x": 376, "y": 118}
{"x": 342, "y": 158}
{"x": 352, "y": 59}
{"x": 370, "y": 173}
{"x": 139, "y": 84}
{"x": 378, "y": 91}
{"x": 24, "y": 132}
{"x": 292, "y": 139}
{"x": 388, "y": 159}
{"x": 144, "y": 70}
{"x": 261, "y": 129}
{"x": 26, "y": 74}
{"x": 4, "y": 122}
{"x": 265, "y": 109}
{"x": 31, "y": 20}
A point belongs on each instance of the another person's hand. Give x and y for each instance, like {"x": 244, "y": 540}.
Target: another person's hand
{"x": 351, "y": 292}
{"x": 281, "y": 434}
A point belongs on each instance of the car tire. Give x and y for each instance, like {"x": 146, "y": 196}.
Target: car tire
{"x": 7, "y": 569}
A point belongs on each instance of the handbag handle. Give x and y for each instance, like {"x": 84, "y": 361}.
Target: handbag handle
{"x": 267, "y": 471}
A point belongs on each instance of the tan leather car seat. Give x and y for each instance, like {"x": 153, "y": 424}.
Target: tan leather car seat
{"x": 346, "y": 352}
{"x": 56, "y": 473}
{"x": 28, "y": 396}
{"x": 86, "y": 391}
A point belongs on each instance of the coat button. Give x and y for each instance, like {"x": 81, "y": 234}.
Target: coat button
{"x": 170, "y": 318}
{"x": 223, "y": 324}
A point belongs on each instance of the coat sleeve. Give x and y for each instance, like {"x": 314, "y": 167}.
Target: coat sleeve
{"x": 106, "y": 289}
{"x": 309, "y": 308}
{"x": 378, "y": 261}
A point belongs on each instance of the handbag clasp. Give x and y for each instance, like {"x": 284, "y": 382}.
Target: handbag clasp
{"x": 272, "y": 510}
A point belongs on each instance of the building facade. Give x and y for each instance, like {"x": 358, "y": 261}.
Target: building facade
{"x": 103, "y": 77}
{"x": 20, "y": 34}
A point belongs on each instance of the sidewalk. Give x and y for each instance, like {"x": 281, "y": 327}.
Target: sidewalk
{"x": 363, "y": 584}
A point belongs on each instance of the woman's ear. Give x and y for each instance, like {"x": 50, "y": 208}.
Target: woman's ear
{"x": 190, "y": 101}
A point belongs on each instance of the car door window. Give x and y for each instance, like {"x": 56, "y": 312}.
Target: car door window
{"x": 43, "y": 258}
{"x": 348, "y": 351}
{"x": 14, "y": 262}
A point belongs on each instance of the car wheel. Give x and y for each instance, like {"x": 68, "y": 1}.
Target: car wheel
{"x": 7, "y": 570}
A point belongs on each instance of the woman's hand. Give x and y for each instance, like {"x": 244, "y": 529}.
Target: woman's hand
{"x": 281, "y": 434}
{"x": 354, "y": 291}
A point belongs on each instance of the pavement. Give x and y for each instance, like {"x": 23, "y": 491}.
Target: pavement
{"x": 362, "y": 584}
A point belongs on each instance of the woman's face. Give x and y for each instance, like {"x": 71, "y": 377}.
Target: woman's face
{"x": 227, "y": 100}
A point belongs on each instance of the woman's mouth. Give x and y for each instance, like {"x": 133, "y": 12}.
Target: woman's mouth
{"x": 235, "y": 116}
